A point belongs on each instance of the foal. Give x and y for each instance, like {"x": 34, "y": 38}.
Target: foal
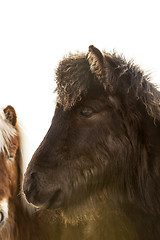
{"x": 100, "y": 159}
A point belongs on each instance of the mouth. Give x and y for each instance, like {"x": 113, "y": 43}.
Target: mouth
{"x": 55, "y": 201}
{"x": 45, "y": 200}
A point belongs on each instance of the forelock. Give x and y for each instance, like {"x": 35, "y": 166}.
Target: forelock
{"x": 7, "y": 132}
{"x": 73, "y": 77}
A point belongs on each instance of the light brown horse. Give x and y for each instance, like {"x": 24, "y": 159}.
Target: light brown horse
{"x": 17, "y": 218}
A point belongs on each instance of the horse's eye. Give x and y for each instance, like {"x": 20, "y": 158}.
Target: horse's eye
{"x": 86, "y": 112}
{"x": 10, "y": 157}
{"x": 1, "y": 216}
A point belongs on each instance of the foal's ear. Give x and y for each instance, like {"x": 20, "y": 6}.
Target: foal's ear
{"x": 100, "y": 63}
{"x": 96, "y": 61}
{"x": 10, "y": 114}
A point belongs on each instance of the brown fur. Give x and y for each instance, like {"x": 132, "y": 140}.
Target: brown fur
{"x": 99, "y": 161}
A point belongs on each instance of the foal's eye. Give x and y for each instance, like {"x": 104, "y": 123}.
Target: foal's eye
{"x": 86, "y": 112}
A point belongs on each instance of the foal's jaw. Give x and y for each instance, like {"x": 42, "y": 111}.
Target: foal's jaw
{"x": 3, "y": 211}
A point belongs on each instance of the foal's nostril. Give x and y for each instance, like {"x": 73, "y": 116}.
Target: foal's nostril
{"x": 33, "y": 175}
{"x": 29, "y": 193}
{"x": 26, "y": 192}
{"x": 30, "y": 186}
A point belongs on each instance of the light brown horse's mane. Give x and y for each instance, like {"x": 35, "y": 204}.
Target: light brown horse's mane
{"x": 7, "y": 132}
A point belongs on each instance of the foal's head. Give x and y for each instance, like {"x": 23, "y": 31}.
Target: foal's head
{"x": 104, "y": 136}
{"x": 8, "y": 161}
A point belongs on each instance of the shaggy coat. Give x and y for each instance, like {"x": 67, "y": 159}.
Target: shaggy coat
{"x": 99, "y": 162}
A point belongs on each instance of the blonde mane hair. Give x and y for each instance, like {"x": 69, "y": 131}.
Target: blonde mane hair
{"x": 7, "y": 132}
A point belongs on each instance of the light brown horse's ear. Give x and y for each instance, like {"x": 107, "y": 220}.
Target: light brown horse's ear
{"x": 10, "y": 114}
{"x": 96, "y": 61}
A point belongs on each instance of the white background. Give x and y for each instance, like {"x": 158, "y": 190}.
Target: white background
{"x": 35, "y": 35}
